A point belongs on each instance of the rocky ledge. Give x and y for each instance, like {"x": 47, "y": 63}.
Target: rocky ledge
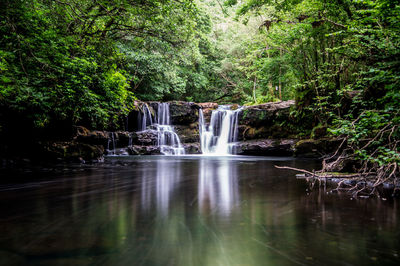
{"x": 266, "y": 147}
{"x": 264, "y": 121}
{"x": 308, "y": 148}
{"x": 265, "y": 130}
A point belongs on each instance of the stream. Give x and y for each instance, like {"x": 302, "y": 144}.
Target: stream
{"x": 189, "y": 210}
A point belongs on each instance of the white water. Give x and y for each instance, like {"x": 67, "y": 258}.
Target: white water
{"x": 114, "y": 151}
{"x": 145, "y": 119}
{"x": 220, "y": 136}
{"x": 168, "y": 140}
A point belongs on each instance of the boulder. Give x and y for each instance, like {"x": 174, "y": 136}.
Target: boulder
{"x": 312, "y": 148}
{"x": 146, "y": 138}
{"x": 265, "y": 121}
{"x": 183, "y": 113}
{"x": 72, "y": 151}
{"x": 275, "y": 131}
{"x": 188, "y": 134}
{"x": 266, "y": 147}
{"x": 123, "y": 138}
{"x": 192, "y": 148}
{"x": 94, "y": 137}
{"x": 208, "y": 105}
{"x": 207, "y": 109}
{"x": 144, "y": 150}
{"x": 265, "y": 114}
{"x": 273, "y": 106}
{"x": 255, "y": 117}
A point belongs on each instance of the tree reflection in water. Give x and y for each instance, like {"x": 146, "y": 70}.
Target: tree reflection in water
{"x": 190, "y": 211}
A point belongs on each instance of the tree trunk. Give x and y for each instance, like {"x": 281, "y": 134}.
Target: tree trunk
{"x": 280, "y": 76}
{"x": 254, "y": 89}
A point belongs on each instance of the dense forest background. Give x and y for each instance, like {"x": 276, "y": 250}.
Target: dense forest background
{"x": 69, "y": 62}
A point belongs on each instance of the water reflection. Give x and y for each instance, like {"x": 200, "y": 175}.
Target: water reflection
{"x": 160, "y": 183}
{"x": 218, "y": 186}
{"x": 198, "y": 211}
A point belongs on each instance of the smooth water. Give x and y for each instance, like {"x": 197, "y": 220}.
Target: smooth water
{"x": 188, "y": 210}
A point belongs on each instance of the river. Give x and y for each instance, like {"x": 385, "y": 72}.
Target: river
{"x": 188, "y": 210}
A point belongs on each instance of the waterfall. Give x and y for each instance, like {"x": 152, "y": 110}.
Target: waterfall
{"x": 145, "y": 119}
{"x": 168, "y": 140}
{"x": 111, "y": 140}
{"x": 220, "y": 136}
{"x": 130, "y": 140}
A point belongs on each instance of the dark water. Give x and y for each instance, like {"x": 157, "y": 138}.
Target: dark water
{"x": 189, "y": 211}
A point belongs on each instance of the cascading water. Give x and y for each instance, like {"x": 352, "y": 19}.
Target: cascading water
{"x": 145, "y": 119}
{"x": 168, "y": 140}
{"x": 221, "y": 134}
{"x": 111, "y": 141}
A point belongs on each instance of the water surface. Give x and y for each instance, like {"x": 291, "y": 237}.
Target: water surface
{"x": 191, "y": 210}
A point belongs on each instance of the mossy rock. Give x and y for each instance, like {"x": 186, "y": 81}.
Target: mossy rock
{"x": 188, "y": 134}
{"x": 183, "y": 113}
{"x": 316, "y": 148}
{"x": 255, "y": 117}
{"x": 71, "y": 151}
{"x": 250, "y": 133}
{"x": 318, "y": 132}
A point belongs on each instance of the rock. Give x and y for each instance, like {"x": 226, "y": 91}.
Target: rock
{"x": 265, "y": 114}
{"x": 207, "y": 109}
{"x": 192, "y": 148}
{"x": 72, "y": 151}
{"x": 264, "y": 132}
{"x": 266, "y": 121}
{"x": 146, "y": 138}
{"x": 266, "y": 147}
{"x": 144, "y": 150}
{"x": 91, "y": 137}
{"x": 118, "y": 151}
{"x": 208, "y": 105}
{"x": 255, "y": 117}
{"x": 183, "y": 113}
{"x": 122, "y": 138}
{"x": 311, "y": 148}
{"x": 274, "y": 106}
{"x": 188, "y": 134}
{"x": 319, "y": 132}
{"x": 251, "y": 133}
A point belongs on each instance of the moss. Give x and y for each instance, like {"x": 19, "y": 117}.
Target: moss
{"x": 234, "y": 106}
{"x": 319, "y": 131}
{"x": 245, "y": 113}
{"x": 262, "y": 115}
{"x": 278, "y": 132}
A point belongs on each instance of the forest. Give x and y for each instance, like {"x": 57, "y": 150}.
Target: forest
{"x": 199, "y": 132}
{"x": 65, "y": 63}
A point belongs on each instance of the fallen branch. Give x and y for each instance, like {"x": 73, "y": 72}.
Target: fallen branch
{"x": 294, "y": 169}
{"x": 325, "y": 175}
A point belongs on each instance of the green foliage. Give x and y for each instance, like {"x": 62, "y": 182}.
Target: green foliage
{"x": 65, "y": 61}
{"x": 341, "y": 60}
